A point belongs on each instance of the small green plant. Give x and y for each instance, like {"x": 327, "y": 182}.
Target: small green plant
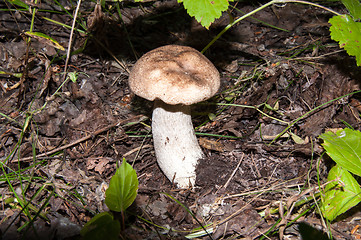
{"x": 205, "y": 11}
{"x": 347, "y": 31}
{"x": 73, "y": 76}
{"x": 342, "y": 191}
{"x": 120, "y": 194}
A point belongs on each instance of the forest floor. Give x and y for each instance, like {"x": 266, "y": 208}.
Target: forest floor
{"x": 59, "y": 151}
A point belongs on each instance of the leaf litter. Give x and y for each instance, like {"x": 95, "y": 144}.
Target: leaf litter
{"x": 82, "y": 134}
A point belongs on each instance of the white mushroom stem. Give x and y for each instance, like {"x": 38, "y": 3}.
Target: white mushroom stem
{"x": 175, "y": 143}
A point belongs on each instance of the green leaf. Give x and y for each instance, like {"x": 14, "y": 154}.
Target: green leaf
{"x": 205, "y": 11}
{"x": 212, "y": 116}
{"x": 19, "y": 3}
{"x": 102, "y": 226}
{"x": 122, "y": 189}
{"x": 297, "y": 139}
{"x": 18, "y": 75}
{"x": 344, "y": 147}
{"x": 45, "y": 39}
{"x": 354, "y": 7}
{"x": 348, "y": 33}
{"x": 341, "y": 194}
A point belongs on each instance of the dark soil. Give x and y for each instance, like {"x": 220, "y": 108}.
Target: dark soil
{"x": 70, "y": 147}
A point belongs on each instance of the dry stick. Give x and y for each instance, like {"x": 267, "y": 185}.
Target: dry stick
{"x": 121, "y": 64}
{"x": 255, "y": 197}
{"x": 79, "y": 140}
{"x": 255, "y": 165}
{"x": 136, "y": 150}
{"x": 259, "y": 9}
{"x": 238, "y": 211}
{"x": 275, "y": 187}
{"x": 71, "y": 40}
{"x": 308, "y": 114}
{"x": 295, "y": 202}
{"x": 234, "y": 172}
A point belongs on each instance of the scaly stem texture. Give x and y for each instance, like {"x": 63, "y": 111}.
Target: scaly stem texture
{"x": 176, "y": 146}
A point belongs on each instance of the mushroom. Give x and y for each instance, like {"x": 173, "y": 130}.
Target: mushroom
{"x": 175, "y": 77}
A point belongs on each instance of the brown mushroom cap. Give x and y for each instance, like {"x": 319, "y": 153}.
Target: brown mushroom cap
{"x": 174, "y": 74}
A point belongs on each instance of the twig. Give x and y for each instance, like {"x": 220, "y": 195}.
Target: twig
{"x": 79, "y": 140}
{"x": 233, "y": 173}
{"x": 71, "y": 39}
{"x": 136, "y": 150}
{"x": 259, "y": 9}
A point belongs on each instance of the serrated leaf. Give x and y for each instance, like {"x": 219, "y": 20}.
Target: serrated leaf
{"x": 344, "y": 147}
{"x": 205, "y": 11}
{"x": 348, "y": 33}
{"x": 354, "y": 7}
{"x": 122, "y": 189}
{"x": 102, "y": 226}
{"x": 341, "y": 194}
